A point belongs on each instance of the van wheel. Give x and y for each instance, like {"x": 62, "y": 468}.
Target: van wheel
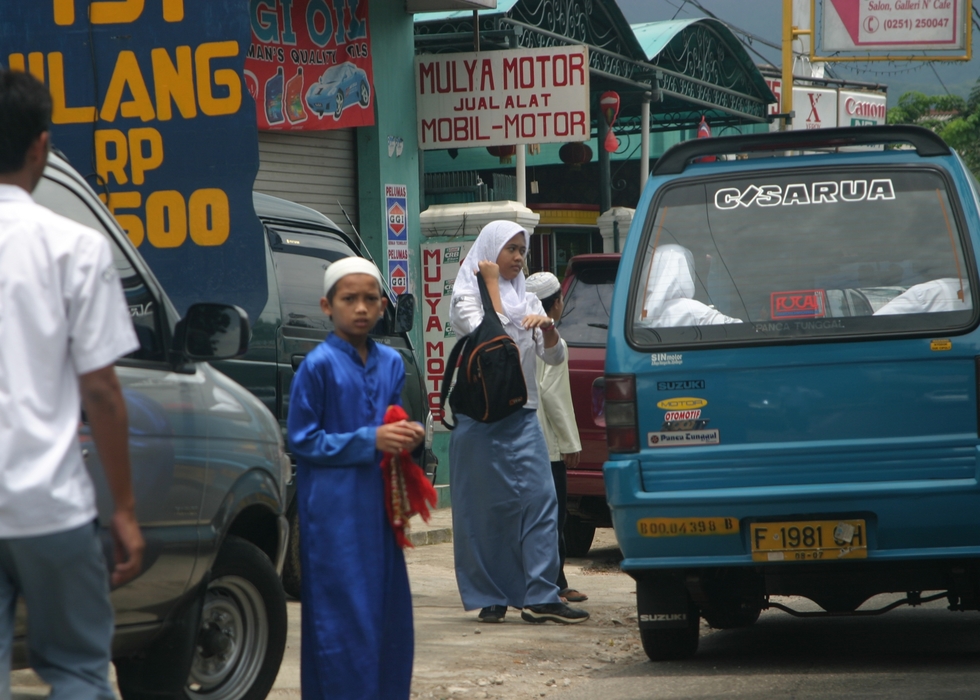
{"x": 242, "y": 635}
{"x": 291, "y": 577}
{"x": 732, "y": 615}
{"x": 578, "y": 536}
{"x": 673, "y": 644}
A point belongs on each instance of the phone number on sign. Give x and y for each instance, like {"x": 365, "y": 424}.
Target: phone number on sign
{"x": 927, "y": 23}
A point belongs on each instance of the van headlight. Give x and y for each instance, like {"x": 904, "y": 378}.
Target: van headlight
{"x": 430, "y": 431}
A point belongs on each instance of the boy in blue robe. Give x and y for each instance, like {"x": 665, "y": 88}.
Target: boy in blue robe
{"x": 357, "y": 633}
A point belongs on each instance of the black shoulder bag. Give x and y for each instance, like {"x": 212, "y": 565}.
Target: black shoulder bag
{"x": 490, "y": 385}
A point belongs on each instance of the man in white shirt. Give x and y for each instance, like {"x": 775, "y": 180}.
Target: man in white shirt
{"x": 63, "y": 323}
{"x": 557, "y": 418}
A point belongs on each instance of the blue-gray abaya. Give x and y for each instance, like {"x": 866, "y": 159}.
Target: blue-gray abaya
{"x": 505, "y": 513}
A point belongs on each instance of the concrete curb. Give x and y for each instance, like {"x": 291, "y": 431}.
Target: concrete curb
{"x": 434, "y": 536}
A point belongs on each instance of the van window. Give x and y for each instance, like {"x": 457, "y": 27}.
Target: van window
{"x": 586, "y": 316}
{"x": 301, "y": 258}
{"x": 143, "y": 308}
{"x": 776, "y": 255}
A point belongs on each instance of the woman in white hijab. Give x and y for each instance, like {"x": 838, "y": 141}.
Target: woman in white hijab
{"x": 505, "y": 513}
{"x": 669, "y": 301}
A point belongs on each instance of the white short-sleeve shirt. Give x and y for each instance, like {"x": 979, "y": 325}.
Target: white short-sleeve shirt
{"x": 62, "y": 314}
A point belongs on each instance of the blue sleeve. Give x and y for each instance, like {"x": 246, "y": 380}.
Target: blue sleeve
{"x": 398, "y": 372}
{"x": 307, "y": 438}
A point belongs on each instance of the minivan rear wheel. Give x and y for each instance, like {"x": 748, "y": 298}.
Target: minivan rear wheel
{"x": 578, "y": 536}
{"x": 242, "y": 635}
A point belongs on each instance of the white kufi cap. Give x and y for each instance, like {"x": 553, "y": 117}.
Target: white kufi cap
{"x": 349, "y": 266}
{"x": 542, "y": 285}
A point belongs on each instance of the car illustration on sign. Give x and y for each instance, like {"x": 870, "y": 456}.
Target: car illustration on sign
{"x": 337, "y": 89}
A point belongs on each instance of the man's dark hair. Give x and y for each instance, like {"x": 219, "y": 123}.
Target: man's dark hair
{"x": 25, "y": 114}
{"x": 548, "y": 302}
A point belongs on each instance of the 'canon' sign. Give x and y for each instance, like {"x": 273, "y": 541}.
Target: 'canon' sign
{"x": 860, "y": 108}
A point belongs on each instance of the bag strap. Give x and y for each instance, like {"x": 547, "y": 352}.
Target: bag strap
{"x": 447, "y": 378}
{"x": 485, "y": 296}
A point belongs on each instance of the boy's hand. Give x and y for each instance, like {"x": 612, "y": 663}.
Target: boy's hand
{"x": 395, "y": 437}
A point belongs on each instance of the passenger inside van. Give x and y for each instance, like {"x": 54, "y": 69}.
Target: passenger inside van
{"x": 947, "y": 294}
{"x": 669, "y": 301}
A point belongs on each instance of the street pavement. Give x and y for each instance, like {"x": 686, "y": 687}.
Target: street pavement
{"x": 922, "y": 653}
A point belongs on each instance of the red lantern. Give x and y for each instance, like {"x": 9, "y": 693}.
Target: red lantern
{"x": 575, "y": 154}
{"x": 504, "y": 153}
{"x": 609, "y": 106}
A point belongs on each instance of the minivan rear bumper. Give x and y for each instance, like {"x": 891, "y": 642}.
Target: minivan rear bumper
{"x": 906, "y": 521}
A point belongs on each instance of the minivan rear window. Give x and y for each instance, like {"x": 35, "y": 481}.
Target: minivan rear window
{"x": 776, "y": 255}
{"x": 585, "y": 319}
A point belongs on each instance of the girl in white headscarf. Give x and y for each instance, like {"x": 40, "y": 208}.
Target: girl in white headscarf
{"x": 505, "y": 512}
{"x": 669, "y": 301}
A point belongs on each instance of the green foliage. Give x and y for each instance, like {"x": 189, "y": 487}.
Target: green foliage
{"x": 961, "y": 131}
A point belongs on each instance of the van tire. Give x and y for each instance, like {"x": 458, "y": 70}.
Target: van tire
{"x": 673, "y": 644}
{"x": 245, "y": 611}
{"x": 292, "y": 578}
{"x": 578, "y": 536}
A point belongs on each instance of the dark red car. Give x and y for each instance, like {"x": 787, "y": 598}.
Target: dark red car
{"x": 587, "y": 288}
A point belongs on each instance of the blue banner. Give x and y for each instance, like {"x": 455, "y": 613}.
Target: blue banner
{"x": 149, "y": 106}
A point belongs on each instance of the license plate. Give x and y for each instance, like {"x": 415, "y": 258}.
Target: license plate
{"x": 810, "y": 540}
{"x": 683, "y": 527}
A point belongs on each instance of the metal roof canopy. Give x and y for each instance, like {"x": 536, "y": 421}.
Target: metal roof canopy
{"x": 689, "y": 68}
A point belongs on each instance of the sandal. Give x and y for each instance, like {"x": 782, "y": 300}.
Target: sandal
{"x": 570, "y": 595}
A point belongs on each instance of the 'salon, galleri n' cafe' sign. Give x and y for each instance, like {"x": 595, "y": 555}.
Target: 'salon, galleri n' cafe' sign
{"x": 498, "y": 98}
{"x": 894, "y": 25}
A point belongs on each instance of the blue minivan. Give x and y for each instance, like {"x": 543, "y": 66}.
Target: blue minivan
{"x": 791, "y": 380}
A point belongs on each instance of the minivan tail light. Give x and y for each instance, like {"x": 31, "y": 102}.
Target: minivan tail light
{"x": 620, "y": 410}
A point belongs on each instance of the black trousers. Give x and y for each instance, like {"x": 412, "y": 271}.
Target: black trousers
{"x": 561, "y": 490}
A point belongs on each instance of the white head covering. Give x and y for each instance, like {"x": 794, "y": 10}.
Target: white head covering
{"x": 487, "y": 246}
{"x": 669, "y": 300}
{"x": 349, "y": 266}
{"x": 542, "y": 285}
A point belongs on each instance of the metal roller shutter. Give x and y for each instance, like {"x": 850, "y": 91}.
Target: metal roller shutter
{"x": 314, "y": 168}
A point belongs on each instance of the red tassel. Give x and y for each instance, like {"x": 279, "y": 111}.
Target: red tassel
{"x": 407, "y": 488}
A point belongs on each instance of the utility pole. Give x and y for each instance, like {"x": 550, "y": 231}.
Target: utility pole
{"x": 790, "y": 33}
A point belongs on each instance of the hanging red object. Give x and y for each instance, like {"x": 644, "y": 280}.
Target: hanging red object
{"x": 609, "y": 106}
{"x": 504, "y": 153}
{"x": 704, "y": 132}
{"x": 575, "y": 154}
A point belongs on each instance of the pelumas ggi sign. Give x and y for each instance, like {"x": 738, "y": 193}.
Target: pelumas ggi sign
{"x": 499, "y": 98}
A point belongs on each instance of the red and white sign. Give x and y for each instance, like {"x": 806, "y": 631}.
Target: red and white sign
{"x": 502, "y": 98}
{"x": 902, "y": 25}
{"x": 861, "y": 108}
{"x": 440, "y": 264}
{"x": 820, "y": 108}
{"x": 683, "y": 415}
{"x": 816, "y": 108}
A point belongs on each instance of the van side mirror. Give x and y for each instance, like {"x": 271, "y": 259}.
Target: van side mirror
{"x": 212, "y": 332}
{"x": 404, "y": 313}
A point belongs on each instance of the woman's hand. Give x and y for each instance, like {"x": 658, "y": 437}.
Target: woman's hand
{"x": 489, "y": 270}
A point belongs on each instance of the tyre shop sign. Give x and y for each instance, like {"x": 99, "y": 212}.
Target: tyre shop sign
{"x": 500, "y": 98}
{"x": 309, "y": 64}
{"x": 149, "y": 106}
{"x": 902, "y": 25}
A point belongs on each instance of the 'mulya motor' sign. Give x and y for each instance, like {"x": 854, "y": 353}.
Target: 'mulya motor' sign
{"x": 500, "y": 98}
